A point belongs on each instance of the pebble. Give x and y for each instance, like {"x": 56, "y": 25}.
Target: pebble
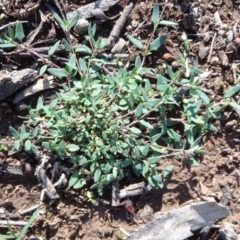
{"x": 229, "y": 35}
{"x": 207, "y": 37}
{"x": 175, "y": 64}
{"x": 224, "y": 59}
{"x": 214, "y": 61}
{"x": 221, "y": 32}
{"x": 81, "y": 26}
{"x": 203, "y": 52}
{"x": 168, "y": 57}
{"x": 119, "y": 46}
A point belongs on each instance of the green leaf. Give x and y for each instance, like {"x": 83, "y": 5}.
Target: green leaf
{"x": 66, "y": 44}
{"x": 62, "y": 146}
{"x": 46, "y": 145}
{"x": 43, "y": 70}
{"x": 28, "y": 145}
{"x": 24, "y": 136}
{"x": 168, "y": 23}
{"x": 235, "y": 106}
{"x": 6, "y": 44}
{"x": 83, "y": 49}
{"x": 230, "y": 92}
{"x": 145, "y": 168}
{"x": 17, "y": 145}
{"x": 126, "y": 163}
{"x": 73, "y": 179}
{"x": 59, "y": 20}
{"x": 203, "y": 96}
{"x": 196, "y": 142}
{"x": 138, "y": 111}
{"x": 158, "y": 149}
{"x": 19, "y": 33}
{"x": 200, "y": 151}
{"x": 155, "y": 14}
{"x": 29, "y": 223}
{"x": 174, "y": 135}
{"x": 135, "y": 42}
{"x": 2, "y": 236}
{"x": 115, "y": 172}
{"x": 11, "y": 33}
{"x": 135, "y": 130}
{"x": 146, "y": 124}
{"x": 73, "y": 21}
{"x": 53, "y": 49}
{"x": 53, "y": 104}
{"x": 14, "y": 132}
{"x": 157, "y": 43}
{"x": 192, "y": 109}
{"x": 192, "y": 162}
{"x": 138, "y": 62}
{"x": 153, "y": 160}
{"x": 39, "y": 104}
{"x": 72, "y": 148}
{"x": 167, "y": 171}
{"x": 155, "y": 137}
{"x": 210, "y": 127}
{"x": 58, "y": 72}
{"x": 144, "y": 150}
{"x": 72, "y": 62}
{"x": 83, "y": 65}
{"x": 80, "y": 183}
{"x": 34, "y": 149}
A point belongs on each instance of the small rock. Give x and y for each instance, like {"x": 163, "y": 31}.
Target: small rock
{"x": 224, "y": 59}
{"x": 119, "y": 46}
{"x": 81, "y": 26}
{"x": 214, "y": 61}
{"x": 221, "y": 32}
{"x": 207, "y": 37}
{"x": 229, "y": 36}
{"x": 203, "y": 52}
{"x": 146, "y": 214}
{"x": 227, "y": 233}
{"x": 168, "y": 57}
{"x": 175, "y": 64}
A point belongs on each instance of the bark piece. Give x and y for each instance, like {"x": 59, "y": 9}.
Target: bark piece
{"x": 38, "y": 86}
{"x": 87, "y": 10}
{"x": 10, "y": 82}
{"x": 178, "y": 224}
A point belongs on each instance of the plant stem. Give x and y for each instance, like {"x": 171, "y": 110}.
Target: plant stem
{"x": 153, "y": 33}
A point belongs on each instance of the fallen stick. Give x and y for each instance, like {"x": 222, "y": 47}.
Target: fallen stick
{"x": 10, "y": 222}
{"x": 115, "y": 33}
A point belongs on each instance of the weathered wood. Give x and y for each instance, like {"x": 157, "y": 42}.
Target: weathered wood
{"x": 87, "y": 11}
{"x": 40, "y": 85}
{"x": 115, "y": 33}
{"x": 10, "y": 82}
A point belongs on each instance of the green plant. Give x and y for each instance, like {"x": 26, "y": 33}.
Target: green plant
{"x": 12, "y": 235}
{"x": 105, "y": 123}
{"x": 3, "y": 148}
